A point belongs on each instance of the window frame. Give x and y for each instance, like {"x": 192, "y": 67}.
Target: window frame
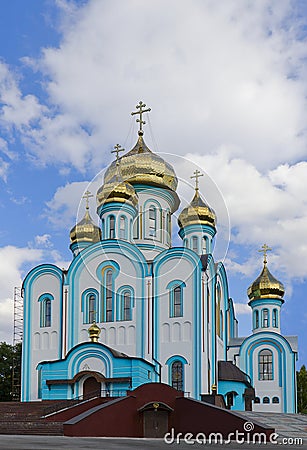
{"x": 265, "y": 365}
{"x": 177, "y": 384}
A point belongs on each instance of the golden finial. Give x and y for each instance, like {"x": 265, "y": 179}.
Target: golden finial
{"x": 87, "y": 195}
{"x": 140, "y": 107}
{"x": 118, "y": 148}
{"x": 94, "y": 332}
{"x": 265, "y": 249}
{"x": 196, "y": 175}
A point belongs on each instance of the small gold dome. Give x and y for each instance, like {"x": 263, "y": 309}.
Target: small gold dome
{"x": 94, "y": 332}
{"x": 266, "y": 286}
{"x": 116, "y": 190}
{"x": 85, "y": 230}
{"x": 197, "y": 213}
{"x": 142, "y": 166}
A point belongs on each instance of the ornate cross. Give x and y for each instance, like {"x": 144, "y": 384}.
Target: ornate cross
{"x": 87, "y": 195}
{"x": 264, "y": 249}
{"x": 140, "y": 107}
{"x": 196, "y": 175}
{"x": 118, "y": 148}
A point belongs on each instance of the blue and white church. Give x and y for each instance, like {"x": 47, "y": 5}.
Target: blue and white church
{"x": 133, "y": 309}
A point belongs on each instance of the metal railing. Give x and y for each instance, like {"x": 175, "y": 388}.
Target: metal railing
{"x": 64, "y": 404}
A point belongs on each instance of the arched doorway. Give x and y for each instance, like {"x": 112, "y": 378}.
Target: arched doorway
{"x": 91, "y": 387}
{"x": 155, "y": 419}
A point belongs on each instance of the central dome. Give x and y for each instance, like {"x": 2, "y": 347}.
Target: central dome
{"x": 142, "y": 166}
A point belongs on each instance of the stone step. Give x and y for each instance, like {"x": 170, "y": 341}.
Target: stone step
{"x": 286, "y": 425}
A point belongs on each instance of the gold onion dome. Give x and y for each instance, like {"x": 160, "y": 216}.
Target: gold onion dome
{"x": 85, "y": 230}
{"x": 142, "y": 166}
{"x": 94, "y": 332}
{"x": 197, "y": 213}
{"x": 116, "y": 190}
{"x": 265, "y": 286}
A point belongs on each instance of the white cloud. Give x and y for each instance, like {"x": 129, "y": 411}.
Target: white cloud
{"x": 43, "y": 241}
{"x": 66, "y": 207}
{"x": 227, "y": 73}
{"x": 12, "y": 261}
{"x": 242, "y": 308}
{"x": 269, "y": 208}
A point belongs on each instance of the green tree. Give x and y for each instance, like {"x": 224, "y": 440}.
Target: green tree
{"x": 10, "y": 357}
{"x": 302, "y": 390}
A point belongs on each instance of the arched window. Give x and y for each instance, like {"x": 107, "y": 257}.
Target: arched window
{"x": 195, "y": 244}
{"x": 265, "y": 318}
{"x": 112, "y": 227}
{"x": 125, "y": 306}
{"x": 265, "y": 365}
{"x": 122, "y": 227}
{"x": 45, "y": 310}
{"x": 275, "y": 318}
{"x": 152, "y": 221}
{"x": 176, "y": 301}
{"x": 256, "y": 319}
{"x": 109, "y": 296}
{"x": 257, "y": 400}
{"x": 275, "y": 400}
{"x": 265, "y": 400}
{"x": 177, "y": 375}
{"x": 90, "y": 306}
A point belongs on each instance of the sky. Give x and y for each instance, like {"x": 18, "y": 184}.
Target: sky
{"x": 226, "y": 82}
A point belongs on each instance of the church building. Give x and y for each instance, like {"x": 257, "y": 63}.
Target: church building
{"x": 133, "y": 309}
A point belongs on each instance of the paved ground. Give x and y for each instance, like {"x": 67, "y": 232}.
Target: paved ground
{"x": 286, "y": 425}
{"x": 10, "y": 442}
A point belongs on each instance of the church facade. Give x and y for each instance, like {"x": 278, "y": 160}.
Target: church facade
{"x": 132, "y": 309}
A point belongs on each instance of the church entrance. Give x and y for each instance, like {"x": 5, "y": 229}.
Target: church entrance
{"x": 91, "y": 387}
{"x": 155, "y": 423}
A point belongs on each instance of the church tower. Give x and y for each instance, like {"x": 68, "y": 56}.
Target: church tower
{"x": 266, "y": 298}
{"x": 197, "y": 223}
{"x": 85, "y": 232}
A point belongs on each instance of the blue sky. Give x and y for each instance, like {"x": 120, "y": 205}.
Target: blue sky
{"x": 226, "y": 82}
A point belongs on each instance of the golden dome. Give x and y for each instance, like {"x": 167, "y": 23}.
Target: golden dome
{"x": 116, "y": 190}
{"x": 94, "y": 332}
{"x": 85, "y": 230}
{"x": 142, "y": 166}
{"x": 197, "y": 213}
{"x": 266, "y": 286}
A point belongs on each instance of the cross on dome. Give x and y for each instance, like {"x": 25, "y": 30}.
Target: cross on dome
{"x": 197, "y": 174}
{"x": 118, "y": 148}
{"x": 140, "y": 120}
{"x": 87, "y": 195}
{"x": 265, "y": 249}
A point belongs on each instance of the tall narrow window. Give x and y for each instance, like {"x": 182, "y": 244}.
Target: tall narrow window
{"x": 89, "y": 306}
{"x": 152, "y": 221}
{"x": 177, "y": 375}
{"x": 122, "y": 228}
{"x": 275, "y": 318}
{"x": 265, "y": 318}
{"x": 45, "y": 310}
{"x": 195, "y": 244}
{"x": 109, "y": 296}
{"x": 92, "y": 308}
{"x": 265, "y": 365}
{"x": 47, "y": 321}
{"x": 127, "y": 312}
{"x": 256, "y": 316}
{"x": 112, "y": 227}
{"x": 176, "y": 301}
